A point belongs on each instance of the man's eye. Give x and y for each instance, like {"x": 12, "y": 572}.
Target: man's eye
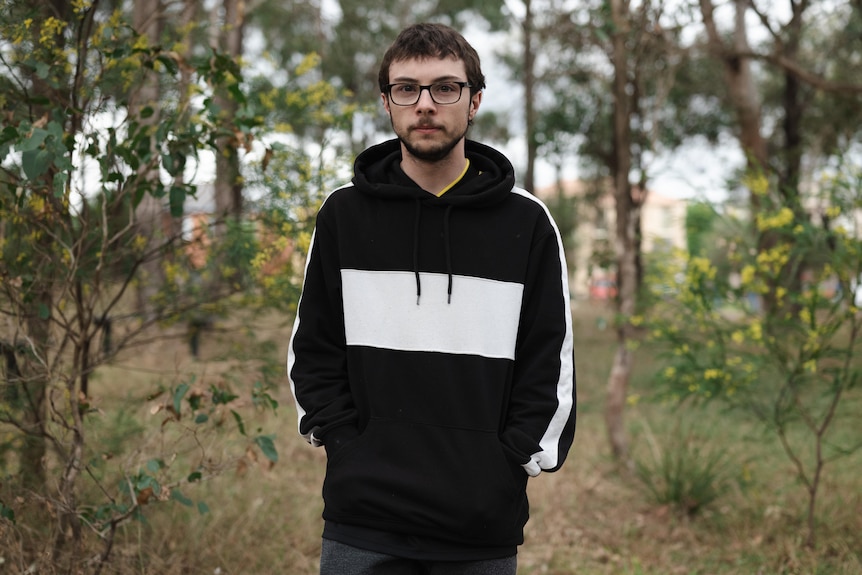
{"x": 445, "y": 88}
{"x": 406, "y": 88}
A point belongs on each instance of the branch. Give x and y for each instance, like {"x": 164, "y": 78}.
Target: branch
{"x": 810, "y": 78}
{"x": 764, "y": 19}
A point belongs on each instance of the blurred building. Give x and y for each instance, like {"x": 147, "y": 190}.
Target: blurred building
{"x": 586, "y": 214}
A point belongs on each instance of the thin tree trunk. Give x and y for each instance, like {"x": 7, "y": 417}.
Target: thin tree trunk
{"x": 627, "y": 214}
{"x": 529, "y": 98}
{"x": 740, "y": 82}
{"x": 147, "y": 20}
{"x": 228, "y": 184}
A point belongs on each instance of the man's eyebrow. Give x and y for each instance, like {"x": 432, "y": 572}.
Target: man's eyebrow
{"x": 409, "y": 80}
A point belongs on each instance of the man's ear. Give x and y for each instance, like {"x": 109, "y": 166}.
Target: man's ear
{"x": 475, "y": 100}
{"x": 385, "y": 102}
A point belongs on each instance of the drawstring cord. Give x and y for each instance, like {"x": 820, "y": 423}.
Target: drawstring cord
{"x": 416, "y": 223}
{"x": 446, "y": 244}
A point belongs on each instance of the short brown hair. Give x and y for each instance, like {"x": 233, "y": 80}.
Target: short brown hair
{"x": 435, "y": 41}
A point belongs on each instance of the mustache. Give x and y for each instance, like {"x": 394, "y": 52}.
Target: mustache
{"x": 425, "y": 125}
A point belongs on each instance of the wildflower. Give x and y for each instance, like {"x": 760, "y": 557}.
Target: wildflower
{"x": 756, "y": 331}
{"x": 757, "y": 183}
{"x": 783, "y": 218}
{"x": 308, "y": 63}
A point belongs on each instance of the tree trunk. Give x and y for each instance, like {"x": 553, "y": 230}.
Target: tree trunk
{"x": 228, "y": 184}
{"x": 38, "y": 311}
{"x": 627, "y": 223}
{"x": 149, "y": 213}
{"x": 740, "y": 82}
{"x": 529, "y": 98}
{"x": 34, "y": 384}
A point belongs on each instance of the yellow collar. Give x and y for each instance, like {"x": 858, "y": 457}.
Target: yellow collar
{"x": 456, "y": 180}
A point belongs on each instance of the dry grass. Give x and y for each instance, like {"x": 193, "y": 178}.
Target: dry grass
{"x": 592, "y": 517}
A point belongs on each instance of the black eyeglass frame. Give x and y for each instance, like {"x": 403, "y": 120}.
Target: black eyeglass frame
{"x": 428, "y": 87}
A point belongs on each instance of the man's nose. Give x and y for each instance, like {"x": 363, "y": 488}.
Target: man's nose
{"x": 425, "y": 100}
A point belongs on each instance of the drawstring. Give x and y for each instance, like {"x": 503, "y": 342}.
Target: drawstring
{"x": 448, "y": 251}
{"x": 416, "y": 222}
{"x": 446, "y": 244}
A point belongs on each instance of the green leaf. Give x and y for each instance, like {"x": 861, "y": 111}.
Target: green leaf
{"x": 201, "y": 418}
{"x": 267, "y": 447}
{"x": 177, "y": 199}
{"x": 147, "y": 112}
{"x": 180, "y": 498}
{"x": 169, "y": 63}
{"x": 55, "y": 129}
{"x": 154, "y": 465}
{"x": 222, "y": 396}
{"x": 181, "y": 391}
{"x": 44, "y": 311}
{"x": 145, "y": 481}
{"x": 203, "y": 508}
{"x": 239, "y": 422}
{"x": 59, "y": 182}
{"x": 36, "y": 162}
{"x": 194, "y": 476}
{"x": 42, "y": 70}
{"x": 33, "y": 141}
{"x": 7, "y": 513}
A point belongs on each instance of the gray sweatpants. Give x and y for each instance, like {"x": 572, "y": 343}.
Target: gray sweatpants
{"x": 341, "y": 559}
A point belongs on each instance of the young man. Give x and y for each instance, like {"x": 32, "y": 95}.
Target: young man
{"x": 432, "y": 350}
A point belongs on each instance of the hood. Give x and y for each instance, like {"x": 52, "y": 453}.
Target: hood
{"x": 377, "y": 172}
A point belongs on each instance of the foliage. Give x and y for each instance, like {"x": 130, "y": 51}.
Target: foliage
{"x": 685, "y": 473}
{"x": 699, "y": 219}
{"x": 792, "y": 364}
{"x": 76, "y": 163}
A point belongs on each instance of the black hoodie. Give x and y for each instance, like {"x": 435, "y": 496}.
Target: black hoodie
{"x": 432, "y": 351}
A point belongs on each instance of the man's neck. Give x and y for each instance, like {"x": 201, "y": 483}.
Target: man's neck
{"x": 434, "y": 177}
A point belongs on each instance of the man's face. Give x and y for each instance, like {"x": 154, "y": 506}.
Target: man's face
{"x": 429, "y": 131}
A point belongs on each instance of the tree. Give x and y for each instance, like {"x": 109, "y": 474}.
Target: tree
{"x": 79, "y": 155}
{"x": 631, "y": 52}
{"x": 791, "y": 367}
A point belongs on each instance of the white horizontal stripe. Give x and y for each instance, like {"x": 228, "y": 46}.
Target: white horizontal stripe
{"x": 380, "y": 310}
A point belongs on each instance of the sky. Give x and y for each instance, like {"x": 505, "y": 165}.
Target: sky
{"x": 695, "y": 171}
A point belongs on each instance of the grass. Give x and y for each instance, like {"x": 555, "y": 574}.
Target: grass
{"x": 593, "y": 517}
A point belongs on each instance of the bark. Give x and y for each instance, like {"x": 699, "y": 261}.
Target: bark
{"x": 627, "y": 216}
{"x": 228, "y": 184}
{"x": 149, "y": 213}
{"x": 37, "y": 312}
{"x": 529, "y": 99}
{"x": 740, "y": 82}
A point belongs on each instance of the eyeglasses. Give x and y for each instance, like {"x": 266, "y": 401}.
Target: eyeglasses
{"x": 404, "y": 94}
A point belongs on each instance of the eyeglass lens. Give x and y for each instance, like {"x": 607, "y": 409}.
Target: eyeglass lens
{"x": 441, "y": 93}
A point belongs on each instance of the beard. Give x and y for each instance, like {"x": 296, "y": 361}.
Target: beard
{"x": 436, "y": 151}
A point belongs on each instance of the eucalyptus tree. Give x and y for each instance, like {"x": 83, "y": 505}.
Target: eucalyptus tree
{"x": 79, "y": 155}
{"x": 796, "y": 111}
{"x": 615, "y": 65}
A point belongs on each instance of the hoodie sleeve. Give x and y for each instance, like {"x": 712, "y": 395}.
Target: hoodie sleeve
{"x": 316, "y": 358}
{"x": 540, "y": 424}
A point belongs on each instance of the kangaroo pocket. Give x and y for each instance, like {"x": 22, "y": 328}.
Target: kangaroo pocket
{"x": 425, "y": 479}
